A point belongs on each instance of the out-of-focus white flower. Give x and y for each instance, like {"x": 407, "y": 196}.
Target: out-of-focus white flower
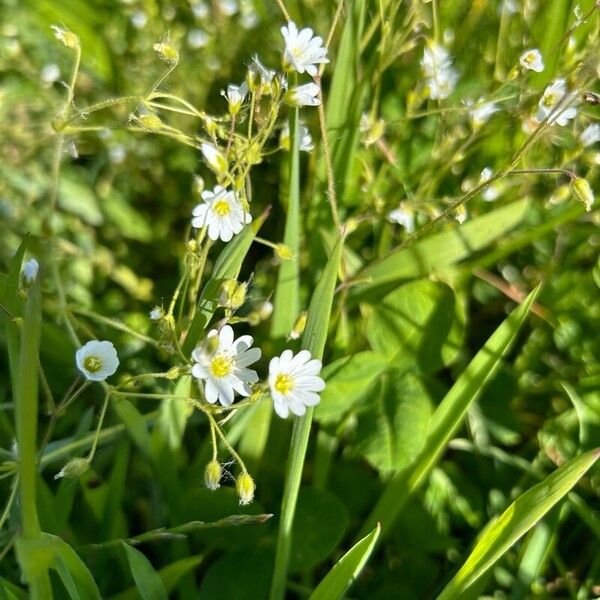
{"x": 49, "y": 74}
{"x": 305, "y": 139}
{"x": 554, "y": 95}
{"x": 491, "y": 192}
{"x": 228, "y": 7}
{"x": 371, "y": 129}
{"x": 303, "y": 95}
{"x": 197, "y": 38}
{"x": 294, "y": 382}
{"x": 404, "y": 216}
{"x": 258, "y": 72}
{"x": 117, "y": 154}
{"x": 461, "y": 214}
{"x": 532, "y": 60}
{"x": 139, "y": 19}
{"x": 30, "y": 271}
{"x": 235, "y": 95}
{"x": 590, "y": 135}
{"x": 156, "y": 313}
{"x": 222, "y": 363}
{"x": 440, "y": 75}
{"x": 215, "y": 160}
{"x": 222, "y": 213}
{"x": 200, "y": 10}
{"x": 303, "y": 50}
{"x": 97, "y": 360}
{"x": 249, "y": 19}
{"x": 481, "y": 112}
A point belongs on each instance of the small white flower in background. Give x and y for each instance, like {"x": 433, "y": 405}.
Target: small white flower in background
{"x": 228, "y": 7}
{"x": 461, "y": 214}
{"x": 294, "y": 382}
{"x": 306, "y": 141}
{"x": 156, "y": 313}
{"x": 222, "y": 213}
{"x": 303, "y": 95}
{"x": 139, "y": 19}
{"x": 222, "y": 363}
{"x": 491, "y": 192}
{"x": 440, "y": 75}
{"x": 532, "y": 60}
{"x": 49, "y": 74}
{"x": 216, "y": 161}
{"x": 481, "y": 113}
{"x": 30, "y": 271}
{"x": 303, "y": 50}
{"x": 197, "y": 38}
{"x": 554, "y": 95}
{"x": 117, "y": 154}
{"x": 403, "y": 216}
{"x": 235, "y": 95}
{"x": 200, "y": 10}
{"x": 97, "y": 360}
{"x": 590, "y": 135}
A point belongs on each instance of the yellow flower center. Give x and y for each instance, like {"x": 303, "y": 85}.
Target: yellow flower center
{"x": 92, "y": 364}
{"x": 529, "y": 58}
{"x": 221, "y": 208}
{"x": 284, "y": 383}
{"x": 221, "y": 365}
{"x": 550, "y": 99}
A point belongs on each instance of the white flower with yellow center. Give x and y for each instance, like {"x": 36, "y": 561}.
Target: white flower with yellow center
{"x": 294, "y": 382}
{"x": 303, "y": 50}
{"x": 222, "y": 213}
{"x": 305, "y": 139}
{"x": 222, "y": 363}
{"x": 555, "y": 95}
{"x": 235, "y": 96}
{"x": 97, "y": 360}
{"x": 532, "y": 60}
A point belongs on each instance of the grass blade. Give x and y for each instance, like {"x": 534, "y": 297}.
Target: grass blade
{"x": 347, "y": 569}
{"x": 147, "y": 580}
{"x": 516, "y": 520}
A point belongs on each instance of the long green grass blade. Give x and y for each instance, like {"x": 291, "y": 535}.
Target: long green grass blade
{"x": 516, "y": 520}
{"x": 347, "y": 569}
{"x": 314, "y": 338}
{"x": 448, "y": 417}
{"x": 147, "y": 580}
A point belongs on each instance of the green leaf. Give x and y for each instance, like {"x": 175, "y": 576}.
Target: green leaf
{"x": 347, "y": 569}
{"x": 440, "y": 250}
{"x": 501, "y": 533}
{"x": 391, "y": 428}
{"x": 227, "y": 266}
{"x": 136, "y": 424}
{"x": 76, "y": 197}
{"x": 173, "y": 415}
{"x": 348, "y": 380}
{"x": 320, "y": 521}
{"x": 147, "y": 580}
{"x": 419, "y": 324}
{"x": 448, "y": 416}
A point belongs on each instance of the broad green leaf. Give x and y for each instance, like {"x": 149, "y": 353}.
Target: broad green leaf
{"x": 448, "y": 416}
{"x": 147, "y": 580}
{"x": 347, "y": 569}
{"x": 516, "y": 520}
{"x": 254, "y": 437}
{"x": 286, "y": 302}
{"x": 170, "y": 425}
{"x": 76, "y": 197}
{"x": 440, "y": 250}
{"x": 392, "y": 426}
{"x": 227, "y": 266}
{"x": 348, "y": 380}
{"x": 419, "y": 324}
{"x": 130, "y": 222}
{"x": 320, "y": 521}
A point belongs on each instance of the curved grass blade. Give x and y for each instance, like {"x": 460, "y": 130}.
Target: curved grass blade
{"x": 447, "y": 418}
{"x": 516, "y": 520}
{"x": 347, "y": 569}
{"x": 147, "y": 580}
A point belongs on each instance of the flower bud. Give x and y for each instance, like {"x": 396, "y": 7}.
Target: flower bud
{"x": 150, "y": 121}
{"x": 216, "y": 161}
{"x": 68, "y": 38}
{"x": 233, "y": 294}
{"x": 75, "y": 468}
{"x": 212, "y": 475}
{"x": 30, "y": 272}
{"x": 167, "y": 52}
{"x": 245, "y": 487}
{"x": 265, "y": 310}
{"x": 299, "y": 326}
{"x": 283, "y": 252}
{"x": 583, "y": 192}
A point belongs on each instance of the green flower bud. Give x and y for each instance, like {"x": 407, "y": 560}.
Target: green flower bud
{"x": 583, "y": 192}
{"x": 167, "y": 52}
{"x": 299, "y": 326}
{"x": 233, "y": 294}
{"x": 74, "y": 469}
{"x": 283, "y": 252}
{"x": 245, "y": 487}
{"x": 212, "y": 475}
{"x": 151, "y": 121}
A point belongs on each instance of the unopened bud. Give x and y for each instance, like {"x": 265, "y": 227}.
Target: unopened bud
{"x": 167, "y": 52}
{"x": 265, "y": 310}
{"x": 233, "y": 294}
{"x": 150, "y": 121}
{"x": 198, "y": 186}
{"x": 75, "y": 468}
{"x": 212, "y": 475}
{"x": 283, "y": 252}
{"x": 583, "y": 192}
{"x": 299, "y": 326}
{"x": 30, "y": 272}
{"x": 216, "y": 161}
{"x": 245, "y": 488}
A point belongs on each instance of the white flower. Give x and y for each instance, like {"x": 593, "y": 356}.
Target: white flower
{"x": 235, "y": 95}
{"x": 156, "y": 313}
{"x": 491, "y": 192}
{"x": 305, "y": 139}
{"x": 49, "y": 74}
{"x": 532, "y": 60}
{"x": 30, "y": 271}
{"x": 403, "y": 216}
{"x": 216, "y": 161}
{"x": 590, "y": 135}
{"x": 440, "y": 75}
{"x": 554, "y": 95}
{"x": 257, "y": 71}
{"x": 139, "y": 19}
{"x": 222, "y": 363}
{"x": 97, "y": 360}
{"x": 482, "y": 112}
{"x": 294, "y": 382}
{"x": 303, "y": 50}
{"x": 197, "y": 38}
{"x": 304, "y": 95}
{"x": 222, "y": 213}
